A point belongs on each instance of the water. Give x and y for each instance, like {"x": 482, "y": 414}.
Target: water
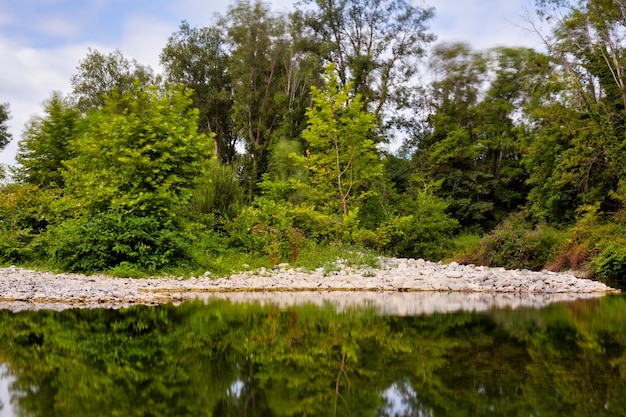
{"x": 225, "y": 358}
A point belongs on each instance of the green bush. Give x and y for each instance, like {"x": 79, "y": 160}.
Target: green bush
{"x": 610, "y": 263}
{"x": 267, "y": 228}
{"x": 425, "y": 232}
{"x": 517, "y": 243}
{"x": 108, "y": 240}
{"x": 217, "y": 192}
{"x": 25, "y": 212}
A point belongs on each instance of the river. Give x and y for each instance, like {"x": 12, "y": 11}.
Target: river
{"x": 258, "y": 358}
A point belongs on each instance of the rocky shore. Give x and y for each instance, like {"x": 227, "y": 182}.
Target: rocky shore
{"x": 21, "y": 288}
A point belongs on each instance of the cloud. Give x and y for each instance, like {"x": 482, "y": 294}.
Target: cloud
{"x": 28, "y": 77}
{"x": 144, "y": 37}
{"x": 483, "y": 24}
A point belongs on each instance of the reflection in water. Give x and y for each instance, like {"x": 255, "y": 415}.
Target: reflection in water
{"x": 222, "y": 358}
{"x": 6, "y": 408}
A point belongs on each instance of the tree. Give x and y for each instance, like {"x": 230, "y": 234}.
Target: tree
{"x": 135, "y": 162}
{"x": 587, "y": 108}
{"x": 5, "y": 135}
{"x": 46, "y": 144}
{"x": 472, "y": 149}
{"x": 259, "y": 48}
{"x": 341, "y": 155}
{"x": 376, "y": 45}
{"x": 143, "y": 158}
{"x": 100, "y": 75}
{"x": 198, "y": 58}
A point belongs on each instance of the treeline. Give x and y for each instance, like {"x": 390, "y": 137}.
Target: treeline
{"x": 266, "y": 140}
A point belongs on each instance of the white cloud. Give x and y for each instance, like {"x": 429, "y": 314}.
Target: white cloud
{"x": 144, "y": 37}
{"x": 483, "y": 24}
{"x": 28, "y": 77}
{"x": 58, "y": 26}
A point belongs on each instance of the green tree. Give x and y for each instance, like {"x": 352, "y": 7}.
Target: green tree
{"x": 139, "y": 152}
{"x": 587, "y": 112}
{"x": 260, "y": 46}
{"x": 5, "y": 135}
{"x": 135, "y": 162}
{"x": 341, "y": 155}
{"x": 376, "y": 45}
{"x": 45, "y": 144}
{"x": 472, "y": 149}
{"x": 99, "y": 75}
{"x": 199, "y": 59}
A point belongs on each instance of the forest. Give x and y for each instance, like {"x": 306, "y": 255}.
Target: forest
{"x": 341, "y": 129}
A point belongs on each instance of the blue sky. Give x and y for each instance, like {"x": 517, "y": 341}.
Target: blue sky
{"x": 41, "y": 41}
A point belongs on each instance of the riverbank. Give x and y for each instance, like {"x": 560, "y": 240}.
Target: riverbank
{"x": 24, "y": 287}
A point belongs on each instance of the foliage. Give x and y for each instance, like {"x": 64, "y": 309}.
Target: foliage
{"x": 140, "y": 152}
{"x": 376, "y": 46}
{"x": 116, "y": 238}
{"x": 279, "y": 230}
{"x": 426, "y": 231}
{"x": 216, "y": 192}
{"x": 136, "y": 161}
{"x": 5, "y": 135}
{"x": 45, "y": 144}
{"x": 101, "y": 75}
{"x": 517, "y": 243}
{"x": 593, "y": 233}
{"x": 340, "y": 156}
{"x": 472, "y": 147}
{"x": 198, "y": 59}
{"x": 493, "y": 133}
{"x": 26, "y": 211}
{"x": 611, "y": 263}
{"x": 272, "y": 76}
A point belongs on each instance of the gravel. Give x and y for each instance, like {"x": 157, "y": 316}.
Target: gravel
{"x": 419, "y": 285}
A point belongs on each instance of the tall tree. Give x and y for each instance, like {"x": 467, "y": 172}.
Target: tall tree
{"x": 341, "y": 156}
{"x": 259, "y": 48}
{"x": 473, "y": 150}
{"x": 376, "y": 45}
{"x": 198, "y": 58}
{"x": 100, "y": 75}
{"x": 588, "y": 106}
{"x": 142, "y": 159}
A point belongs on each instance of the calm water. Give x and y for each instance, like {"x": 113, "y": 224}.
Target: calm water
{"x": 238, "y": 359}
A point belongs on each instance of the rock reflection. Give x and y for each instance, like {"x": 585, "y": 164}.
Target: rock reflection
{"x": 393, "y": 303}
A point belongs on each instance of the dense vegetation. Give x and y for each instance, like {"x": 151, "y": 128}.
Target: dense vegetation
{"x": 267, "y": 140}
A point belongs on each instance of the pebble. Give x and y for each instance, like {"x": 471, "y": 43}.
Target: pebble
{"x": 393, "y": 275}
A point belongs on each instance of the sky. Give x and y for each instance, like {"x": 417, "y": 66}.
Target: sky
{"x": 42, "y": 41}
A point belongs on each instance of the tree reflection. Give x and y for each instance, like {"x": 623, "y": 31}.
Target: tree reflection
{"x": 226, "y": 359}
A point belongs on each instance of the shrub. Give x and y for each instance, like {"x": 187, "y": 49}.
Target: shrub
{"x": 610, "y": 263}
{"x": 517, "y": 243}
{"x": 25, "y": 212}
{"x": 217, "y": 192}
{"x": 108, "y": 240}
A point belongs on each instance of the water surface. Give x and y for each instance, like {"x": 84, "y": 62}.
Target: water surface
{"x": 226, "y": 358}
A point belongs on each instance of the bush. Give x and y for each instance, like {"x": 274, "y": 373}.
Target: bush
{"x": 217, "y": 192}
{"x": 425, "y": 232}
{"x": 25, "y": 212}
{"x": 108, "y": 240}
{"x": 517, "y": 243}
{"x": 610, "y": 263}
{"x": 267, "y": 228}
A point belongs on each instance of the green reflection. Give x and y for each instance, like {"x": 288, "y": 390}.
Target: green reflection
{"x": 226, "y": 359}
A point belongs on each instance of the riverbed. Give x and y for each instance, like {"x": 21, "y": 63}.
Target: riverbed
{"x": 410, "y": 282}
